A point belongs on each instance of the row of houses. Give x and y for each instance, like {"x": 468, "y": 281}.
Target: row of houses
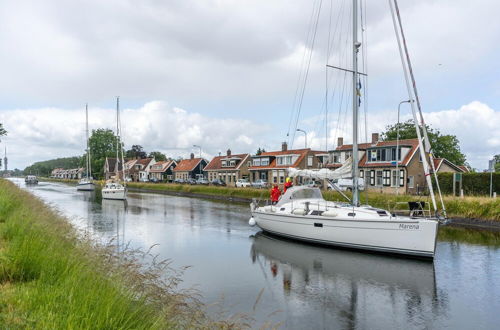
{"x": 72, "y": 173}
{"x": 377, "y": 165}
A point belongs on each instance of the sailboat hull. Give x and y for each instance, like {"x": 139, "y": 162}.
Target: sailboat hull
{"x": 415, "y": 237}
{"x": 88, "y": 186}
{"x": 116, "y": 194}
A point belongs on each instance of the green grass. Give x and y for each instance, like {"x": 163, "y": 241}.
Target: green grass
{"x": 53, "y": 278}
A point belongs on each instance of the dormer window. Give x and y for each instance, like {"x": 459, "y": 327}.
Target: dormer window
{"x": 233, "y": 163}
{"x": 224, "y": 163}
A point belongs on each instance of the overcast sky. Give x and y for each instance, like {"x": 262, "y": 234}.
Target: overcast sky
{"x": 223, "y": 74}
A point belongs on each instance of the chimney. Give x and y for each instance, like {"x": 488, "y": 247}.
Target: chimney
{"x": 284, "y": 146}
{"x": 228, "y": 152}
{"x": 374, "y": 138}
{"x": 340, "y": 141}
{"x": 192, "y": 155}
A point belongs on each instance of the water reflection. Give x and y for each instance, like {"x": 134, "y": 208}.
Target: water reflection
{"x": 349, "y": 287}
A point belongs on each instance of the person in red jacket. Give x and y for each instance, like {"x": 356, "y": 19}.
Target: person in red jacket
{"x": 275, "y": 194}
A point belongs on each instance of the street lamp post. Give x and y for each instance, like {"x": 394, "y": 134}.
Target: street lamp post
{"x": 492, "y": 169}
{"x": 398, "y": 176}
{"x": 305, "y": 135}
{"x": 196, "y": 146}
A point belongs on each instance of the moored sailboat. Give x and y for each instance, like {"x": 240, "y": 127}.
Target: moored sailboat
{"x": 303, "y": 214}
{"x": 86, "y": 183}
{"x": 114, "y": 189}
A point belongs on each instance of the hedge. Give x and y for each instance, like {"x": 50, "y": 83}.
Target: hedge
{"x": 472, "y": 183}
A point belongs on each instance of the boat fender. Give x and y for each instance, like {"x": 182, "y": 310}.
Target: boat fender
{"x": 251, "y": 222}
{"x": 299, "y": 211}
{"x": 330, "y": 214}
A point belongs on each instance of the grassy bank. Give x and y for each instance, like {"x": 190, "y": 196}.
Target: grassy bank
{"x": 468, "y": 207}
{"x": 52, "y": 278}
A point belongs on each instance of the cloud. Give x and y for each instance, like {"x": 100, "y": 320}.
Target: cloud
{"x": 475, "y": 124}
{"x": 39, "y": 134}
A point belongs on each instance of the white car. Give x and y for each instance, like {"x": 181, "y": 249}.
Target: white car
{"x": 242, "y": 183}
{"x": 346, "y": 184}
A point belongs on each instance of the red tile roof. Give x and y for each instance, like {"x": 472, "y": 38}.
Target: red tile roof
{"x": 162, "y": 166}
{"x": 187, "y": 164}
{"x": 216, "y": 162}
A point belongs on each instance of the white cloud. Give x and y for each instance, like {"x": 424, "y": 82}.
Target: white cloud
{"x": 475, "y": 124}
{"x": 38, "y": 134}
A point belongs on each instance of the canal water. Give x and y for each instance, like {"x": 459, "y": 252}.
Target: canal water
{"x": 296, "y": 285}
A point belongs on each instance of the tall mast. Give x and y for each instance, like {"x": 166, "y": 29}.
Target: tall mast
{"x": 87, "y": 136}
{"x": 414, "y": 111}
{"x": 117, "y": 136}
{"x": 355, "y": 105}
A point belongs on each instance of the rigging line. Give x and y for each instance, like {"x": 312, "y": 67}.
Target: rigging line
{"x": 364, "y": 40}
{"x": 301, "y": 68}
{"x": 326, "y": 76}
{"x": 307, "y": 72}
{"x": 342, "y": 57}
{"x": 427, "y": 143}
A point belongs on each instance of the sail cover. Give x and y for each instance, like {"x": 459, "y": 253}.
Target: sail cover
{"x": 345, "y": 171}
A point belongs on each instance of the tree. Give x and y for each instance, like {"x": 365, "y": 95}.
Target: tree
{"x": 157, "y": 155}
{"x": 260, "y": 151}
{"x": 137, "y": 151}
{"x": 497, "y": 162}
{"x": 45, "y": 167}
{"x": 3, "y": 132}
{"x": 102, "y": 144}
{"x": 443, "y": 146}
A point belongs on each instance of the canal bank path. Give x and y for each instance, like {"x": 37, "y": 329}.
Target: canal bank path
{"x": 240, "y": 270}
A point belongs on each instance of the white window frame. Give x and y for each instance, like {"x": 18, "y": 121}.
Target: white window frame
{"x": 411, "y": 181}
{"x": 309, "y": 160}
{"x": 377, "y": 183}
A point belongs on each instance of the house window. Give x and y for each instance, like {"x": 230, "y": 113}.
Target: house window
{"x": 401, "y": 178}
{"x": 256, "y": 162}
{"x": 335, "y": 158}
{"x": 264, "y": 161}
{"x": 282, "y": 176}
{"x": 394, "y": 178}
{"x": 249, "y": 163}
{"x": 275, "y": 176}
{"x": 379, "y": 181}
{"x": 411, "y": 181}
{"x": 224, "y": 163}
{"x": 372, "y": 178}
{"x": 387, "y": 177}
{"x": 309, "y": 160}
{"x": 373, "y": 154}
{"x": 233, "y": 163}
{"x": 361, "y": 173}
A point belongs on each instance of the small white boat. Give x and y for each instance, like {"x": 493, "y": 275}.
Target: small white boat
{"x": 114, "y": 190}
{"x": 86, "y": 183}
{"x": 31, "y": 179}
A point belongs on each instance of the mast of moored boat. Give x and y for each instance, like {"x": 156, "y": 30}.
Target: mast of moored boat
{"x": 355, "y": 105}
{"x": 89, "y": 171}
{"x": 117, "y": 138}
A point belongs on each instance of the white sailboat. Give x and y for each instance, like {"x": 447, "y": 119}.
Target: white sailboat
{"x": 86, "y": 183}
{"x": 114, "y": 189}
{"x": 303, "y": 214}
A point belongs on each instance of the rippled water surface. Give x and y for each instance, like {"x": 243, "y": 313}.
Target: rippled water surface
{"x": 303, "y": 286}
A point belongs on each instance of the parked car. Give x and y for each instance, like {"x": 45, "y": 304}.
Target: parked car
{"x": 154, "y": 180}
{"x": 259, "y": 184}
{"x": 190, "y": 181}
{"x": 242, "y": 183}
{"x": 202, "y": 181}
{"x": 218, "y": 182}
{"x": 179, "y": 180}
{"x": 346, "y": 184}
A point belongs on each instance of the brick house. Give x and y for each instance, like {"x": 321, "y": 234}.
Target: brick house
{"x": 229, "y": 168}
{"x": 272, "y": 166}
{"x": 140, "y": 170}
{"x": 110, "y": 169}
{"x": 191, "y": 168}
{"x": 163, "y": 170}
{"x": 377, "y": 164}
